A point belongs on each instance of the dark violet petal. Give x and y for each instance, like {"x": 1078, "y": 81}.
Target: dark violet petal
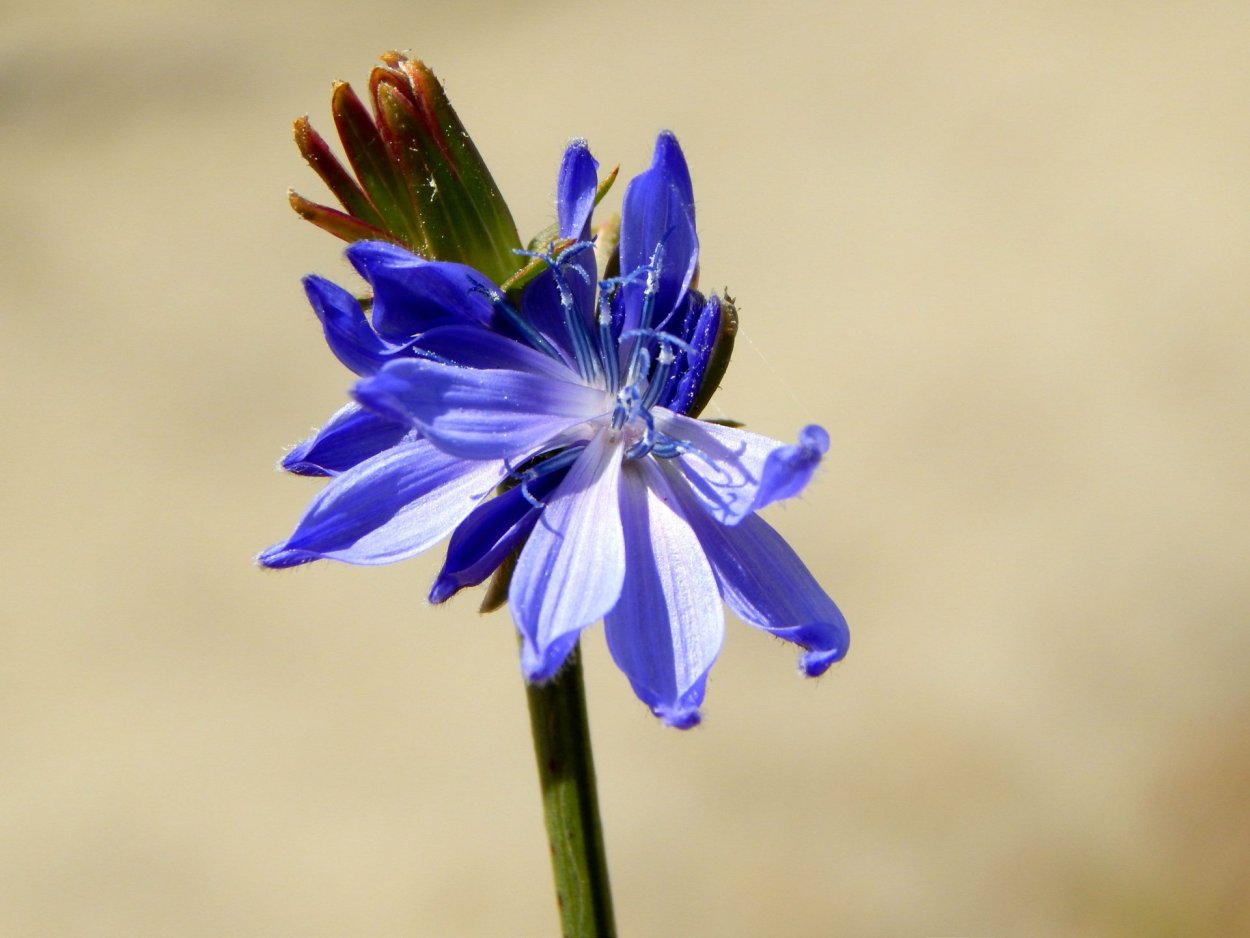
{"x": 668, "y": 154}
{"x": 766, "y": 584}
{"x": 475, "y": 347}
{"x": 351, "y": 436}
{"x": 493, "y": 529}
{"x": 348, "y": 333}
{"x": 685, "y": 321}
{"x": 545, "y": 298}
{"x": 411, "y": 294}
{"x": 575, "y": 191}
{"x": 388, "y": 508}
{"x": 657, "y": 210}
{"x": 667, "y": 628}
{"x": 542, "y": 303}
{"x": 570, "y": 570}
{"x": 788, "y": 469}
{"x": 723, "y": 465}
{"x": 477, "y": 414}
{"x": 687, "y": 377}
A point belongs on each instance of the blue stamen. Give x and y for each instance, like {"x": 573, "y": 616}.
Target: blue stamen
{"x": 557, "y": 462}
{"x": 644, "y": 445}
{"x": 663, "y": 363}
{"x": 574, "y": 319}
{"x": 652, "y": 289}
{"x": 639, "y": 366}
{"x": 665, "y": 338}
{"x": 609, "y": 354}
{"x": 500, "y": 304}
{"x": 627, "y": 399}
{"x": 649, "y": 292}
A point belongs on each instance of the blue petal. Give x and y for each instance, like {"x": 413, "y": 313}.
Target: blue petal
{"x": 479, "y": 414}
{"x": 790, "y": 468}
{"x": 668, "y": 154}
{"x": 351, "y": 436}
{"x": 575, "y": 191}
{"x": 411, "y": 294}
{"x": 667, "y": 628}
{"x": 570, "y": 571}
{"x": 388, "y": 508}
{"x": 349, "y": 335}
{"x": 658, "y": 210}
{"x": 766, "y": 584}
{"x": 483, "y": 539}
{"x": 733, "y": 471}
{"x": 475, "y": 347}
{"x": 699, "y": 332}
{"x": 543, "y": 306}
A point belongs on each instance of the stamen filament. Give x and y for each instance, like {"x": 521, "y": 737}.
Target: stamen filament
{"x": 531, "y": 335}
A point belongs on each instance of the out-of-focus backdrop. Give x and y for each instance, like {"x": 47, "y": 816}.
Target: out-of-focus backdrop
{"x": 1001, "y": 251}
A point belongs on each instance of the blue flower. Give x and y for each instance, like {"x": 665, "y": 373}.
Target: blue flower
{"x": 563, "y": 428}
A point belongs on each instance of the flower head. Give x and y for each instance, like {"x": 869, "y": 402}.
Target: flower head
{"x": 565, "y": 426}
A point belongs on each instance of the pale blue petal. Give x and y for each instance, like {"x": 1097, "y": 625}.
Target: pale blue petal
{"x": 666, "y": 629}
{"x": 766, "y": 584}
{"x": 388, "y": 508}
{"x": 479, "y": 414}
{"x": 570, "y": 571}
{"x": 789, "y": 468}
{"x": 728, "y": 467}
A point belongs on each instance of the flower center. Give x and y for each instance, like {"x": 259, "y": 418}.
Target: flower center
{"x": 633, "y": 365}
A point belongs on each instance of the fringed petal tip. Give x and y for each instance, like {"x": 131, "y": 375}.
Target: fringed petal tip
{"x": 351, "y": 436}
{"x": 296, "y": 461}
{"x": 349, "y": 334}
{"x": 443, "y": 589}
{"x": 816, "y": 662}
{"x": 540, "y": 665}
{"x": 679, "y": 718}
{"x": 575, "y": 189}
{"x": 788, "y": 469}
{"x": 279, "y": 557}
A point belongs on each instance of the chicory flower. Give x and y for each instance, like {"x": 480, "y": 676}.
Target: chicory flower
{"x": 566, "y": 427}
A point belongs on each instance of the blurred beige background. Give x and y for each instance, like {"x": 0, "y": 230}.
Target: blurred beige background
{"x": 999, "y": 250}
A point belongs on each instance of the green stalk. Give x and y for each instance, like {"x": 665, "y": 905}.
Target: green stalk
{"x": 566, "y": 772}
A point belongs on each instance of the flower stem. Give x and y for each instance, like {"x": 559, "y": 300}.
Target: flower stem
{"x": 566, "y": 772}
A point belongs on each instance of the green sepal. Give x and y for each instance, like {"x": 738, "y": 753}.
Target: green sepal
{"x": 718, "y": 360}
{"x": 496, "y": 595}
{"x": 450, "y": 148}
{"x": 336, "y": 177}
{"x": 401, "y": 133}
{"x": 419, "y": 180}
{"x": 335, "y": 222}
{"x": 608, "y": 246}
{"x": 371, "y": 161}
